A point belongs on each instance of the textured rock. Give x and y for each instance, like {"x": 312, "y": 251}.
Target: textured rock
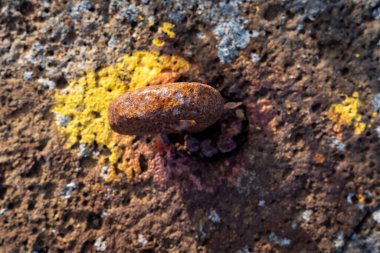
{"x": 292, "y": 184}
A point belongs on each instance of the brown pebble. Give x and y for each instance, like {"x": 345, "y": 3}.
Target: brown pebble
{"x": 167, "y": 108}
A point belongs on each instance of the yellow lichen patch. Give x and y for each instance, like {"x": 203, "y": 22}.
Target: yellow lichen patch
{"x": 346, "y": 114}
{"x": 158, "y": 42}
{"x": 167, "y": 28}
{"x": 85, "y": 101}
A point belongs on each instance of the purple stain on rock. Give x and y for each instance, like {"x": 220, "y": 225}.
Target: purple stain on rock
{"x": 233, "y": 128}
{"x": 209, "y": 148}
{"x": 226, "y": 144}
{"x": 192, "y": 144}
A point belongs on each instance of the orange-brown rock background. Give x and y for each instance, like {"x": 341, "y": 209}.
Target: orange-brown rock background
{"x": 273, "y": 175}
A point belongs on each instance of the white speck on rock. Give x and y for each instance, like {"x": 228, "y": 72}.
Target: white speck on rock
{"x": 335, "y": 143}
{"x": 108, "y": 193}
{"x": 376, "y": 216}
{"x": 272, "y": 237}
{"x": 66, "y": 192}
{"x": 262, "y": 203}
{"x": 46, "y": 83}
{"x": 79, "y": 8}
{"x": 245, "y": 249}
{"x": 96, "y": 153}
{"x": 254, "y": 34}
{"x": 104, "y": 172}
{"x": 61, "y": 120}
{"x": 201, "y": 36}
{"x": 300, "y": 27}
{"x": 376, "y": 102}
{"x": 214, "y": 217}
{"x": 376, "y": 13}
{"x": 349, "y": 198}
{"x": 203, "y": 234}
{"x": 151, "y": 19}
{"x": 142, "y": 240}
{"x": 378, "y": 131}
{"x": 2, "y": 211}
{"x": 84, "y": 152}
{"x": 100, "y": 244}
{"x": 28, "y": 75}
{"x": 306, "y": 215}
{"x": 38, "y": 48}
{"x": 283, "y": 242}
{"x": 112, "y": 42}
{"x": 339, "y": 241}
{"x": 255, "y": 58}
{"x": 103, "y": 214}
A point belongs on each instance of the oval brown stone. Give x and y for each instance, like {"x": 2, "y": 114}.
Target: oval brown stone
{"x": 166, "y": 108}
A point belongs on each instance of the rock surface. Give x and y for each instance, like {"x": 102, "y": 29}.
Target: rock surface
{"x": 293, "y": 167}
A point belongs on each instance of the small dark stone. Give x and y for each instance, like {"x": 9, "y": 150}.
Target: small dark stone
{"x": 192, "y": 144}
{"x": 226, "y": 144}
{"x": 208, "y": 148}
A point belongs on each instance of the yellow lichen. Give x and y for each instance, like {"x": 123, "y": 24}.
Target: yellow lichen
{"x": 347, "y": 113}
{"x": 158, "y": 42}
{"x": 167, "y": 28}
{"x": 85, "y": 101}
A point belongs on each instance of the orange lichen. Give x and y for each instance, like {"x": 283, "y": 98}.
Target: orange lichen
{"x": 361, "y": 198}
{"x": 262, "y": 115}
{"x": 318, "y": 158}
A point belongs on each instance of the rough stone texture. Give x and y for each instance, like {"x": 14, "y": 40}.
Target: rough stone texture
{"x": 289, "y": 185}
{"x": 166, "y": 108}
